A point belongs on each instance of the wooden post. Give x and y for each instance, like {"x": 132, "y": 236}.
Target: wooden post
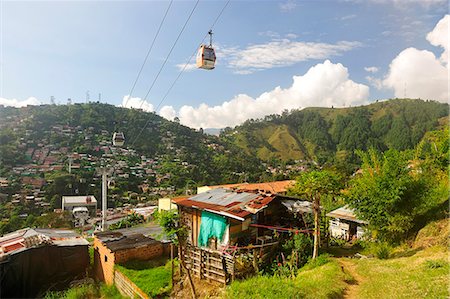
{"x": 316, "y": 207}
{"x": 191, "y": 283}
{"x": 201, "y": 263}
{"x": 171, "y": 258}
{"x": 255, "y": 261}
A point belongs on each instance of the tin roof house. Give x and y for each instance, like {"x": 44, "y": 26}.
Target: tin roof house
{"x": 221, "y": 217}
{"x": 345, "y": 225}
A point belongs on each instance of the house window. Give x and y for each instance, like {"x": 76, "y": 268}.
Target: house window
{"x": 106, "y": 258}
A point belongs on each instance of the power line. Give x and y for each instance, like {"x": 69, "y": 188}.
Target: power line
{"x": 181, "y": 72}
{"x": 148, "y": 53}
{"x": 170, "y": 52}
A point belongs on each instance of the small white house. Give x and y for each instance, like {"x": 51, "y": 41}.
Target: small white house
{"x": 345, "y": 225}
{"x": 71, "y": 202}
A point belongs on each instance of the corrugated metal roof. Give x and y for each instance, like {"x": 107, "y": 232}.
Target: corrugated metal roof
{"x": 298, "y": 206}
{"x": 79, "y": 199}
{"x": 346, "y": 213}
{"x": 223, "y": 197}
{"x": 235, "y": 204}
{"x": 124, "y": 239}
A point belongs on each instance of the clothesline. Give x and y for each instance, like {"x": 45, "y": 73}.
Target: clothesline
{"x": 283, "y": 229}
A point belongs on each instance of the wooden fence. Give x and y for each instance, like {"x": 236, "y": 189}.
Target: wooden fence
{"x": 209, "y": 264}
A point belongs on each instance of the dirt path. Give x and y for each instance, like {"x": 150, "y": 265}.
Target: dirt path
{"x": 352, "y": 289}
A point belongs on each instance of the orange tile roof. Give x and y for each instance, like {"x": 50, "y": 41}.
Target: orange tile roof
{"x": 273, "y": 187}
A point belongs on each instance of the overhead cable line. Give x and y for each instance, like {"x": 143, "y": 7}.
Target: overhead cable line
{"x": 170, "y": 52}
{"x": 148, "y": 53}
{"x": 181, "y": 72}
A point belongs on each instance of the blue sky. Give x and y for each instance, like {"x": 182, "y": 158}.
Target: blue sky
{"x": 340, "y": 53}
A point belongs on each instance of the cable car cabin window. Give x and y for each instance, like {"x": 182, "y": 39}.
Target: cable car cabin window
{"x": 209, "y": 54}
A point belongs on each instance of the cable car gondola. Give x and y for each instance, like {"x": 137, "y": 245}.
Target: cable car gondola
{"x": 118, "y": 139}
{"x": 206, "y": 56}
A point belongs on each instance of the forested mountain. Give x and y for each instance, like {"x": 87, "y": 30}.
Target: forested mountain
{"x": 322, "y": 135}
{"x": 333, "y": 134}
{"x": 187, "y": 152}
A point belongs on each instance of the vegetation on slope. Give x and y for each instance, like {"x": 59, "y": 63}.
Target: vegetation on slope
{"x": 418, "y": 270}
{"x": 321, "y": 133}
{"x": 150, "y": 276}
{"x": 87, "y": 291}
{"x": 324, "y": 281}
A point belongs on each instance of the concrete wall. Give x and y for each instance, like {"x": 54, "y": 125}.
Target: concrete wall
{"x": 166, "y": 204}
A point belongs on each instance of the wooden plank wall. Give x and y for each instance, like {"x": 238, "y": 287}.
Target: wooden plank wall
{"x": 209, "y": 264}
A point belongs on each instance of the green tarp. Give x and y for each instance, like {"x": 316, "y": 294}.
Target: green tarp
{"x": 212, "y": 225}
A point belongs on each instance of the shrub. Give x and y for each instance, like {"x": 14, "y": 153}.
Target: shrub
{"x": 317, "y": 262}
{"x": 337, "y": 242}
{"x": 434, "y": 264}
{"x": 381, "y": 250}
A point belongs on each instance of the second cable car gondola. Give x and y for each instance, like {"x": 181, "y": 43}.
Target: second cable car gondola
{"x": 118, "y": 139}
{"x": 206, "y": 56}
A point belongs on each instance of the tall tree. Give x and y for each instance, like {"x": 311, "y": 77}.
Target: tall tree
{"x": 315, "y": 185}
{"x": 386, "y": 194}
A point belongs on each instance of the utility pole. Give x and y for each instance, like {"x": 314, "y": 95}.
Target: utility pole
{"x": 70, "y": 164}
{"x": 104, "y": 170}
{"x": 104, "y": 199}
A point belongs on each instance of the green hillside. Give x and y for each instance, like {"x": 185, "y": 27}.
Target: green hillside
{"x": 184, "y": 153}
{"x": 330, "y": 134}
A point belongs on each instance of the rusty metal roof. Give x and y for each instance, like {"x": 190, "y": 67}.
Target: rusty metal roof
{"x": 124, "y": 239}
{"x": 273, "y": 187}
{"x": 234, "y": 204}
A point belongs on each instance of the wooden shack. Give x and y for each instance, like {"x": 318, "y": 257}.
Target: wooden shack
{"x": 242, "y": 214}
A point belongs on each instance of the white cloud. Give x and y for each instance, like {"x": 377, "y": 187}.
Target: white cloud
{"x": 168, "y": 112}
{"x": 439, "y": 37}
{"x": 269, "y": 33}
{"x": 325, "y": 84}
{"x": 291, "y": 35}
{"x": 288, "y": 6}
{"x": 371, "y": 69}
{"x": 187, "y": 67}
{"x": 404, "y": 3}
{"x": 419, "y": 73}
{"x": 375, "y": 82}
{"x": 136, "y": 103}
{"x": 19, "y": 103}
{"x": 348, "y": 17}
{"x": 281, "y": 52}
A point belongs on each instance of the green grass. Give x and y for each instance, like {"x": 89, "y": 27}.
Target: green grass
{"x": 422, "y": 275}
{"x": 87, "y": 291}
{"x": 313, "y": 281}
{"x": 152, "y": 277}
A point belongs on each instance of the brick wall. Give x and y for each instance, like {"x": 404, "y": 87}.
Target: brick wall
{"x": 139, "y": 253}
{"x": 103, "y": 262}
{"x": 104, "y": 259}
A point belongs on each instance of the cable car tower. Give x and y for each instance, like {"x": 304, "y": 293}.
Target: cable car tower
{"x": 206, "y": 56}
